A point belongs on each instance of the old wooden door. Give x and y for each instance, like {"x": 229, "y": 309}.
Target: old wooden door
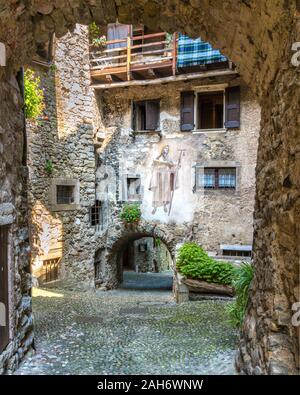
{"x": 4, "y": 327}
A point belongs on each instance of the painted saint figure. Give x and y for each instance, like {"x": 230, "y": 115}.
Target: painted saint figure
{"x": 163, "y": 181}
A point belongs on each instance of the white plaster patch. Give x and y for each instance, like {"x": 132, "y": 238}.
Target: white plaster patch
{"x": 45, "y": 238}
{"x": 164, "y": 116}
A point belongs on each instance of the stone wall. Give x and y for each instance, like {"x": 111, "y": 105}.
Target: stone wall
{"x": 13, "y": 201}
{"x": 64, "y": 135}
{"x": 151, "y": 255}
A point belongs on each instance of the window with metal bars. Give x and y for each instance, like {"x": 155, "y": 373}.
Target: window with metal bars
{"x": 99, "y": 215}
{"x": 51, "y": 268}
{"x": 96, "y": 212}
{"x": 65, "y": 194}
{"x": 216, "y": 178}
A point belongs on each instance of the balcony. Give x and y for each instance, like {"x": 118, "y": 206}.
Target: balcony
{"x": 146, "y": 59}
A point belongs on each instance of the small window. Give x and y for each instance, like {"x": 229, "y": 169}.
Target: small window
{"x": 133, "y": 188}
{"x": 239, "y": 254}
{"x": 216, "y": 178}
{"x": 210, "y": 110}
{"x": 96, "y": 213}
{"x": 146, "y": 115}
{"x": 99, "y": 215}
{"x": 65, "y": 194}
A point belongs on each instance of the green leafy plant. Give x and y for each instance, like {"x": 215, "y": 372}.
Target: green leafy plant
{"x": 131, "y": 213}
{"x": 96, "y": 37}
{"x": 34, "y": 95}
{"x": 194, "y": 262}
{"x": 157, "y": 242}
{"x": 242, "y": 280}
{"x": 49, "y": 166}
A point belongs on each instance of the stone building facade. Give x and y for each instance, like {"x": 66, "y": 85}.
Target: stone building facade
{"x": 105, "y": 161}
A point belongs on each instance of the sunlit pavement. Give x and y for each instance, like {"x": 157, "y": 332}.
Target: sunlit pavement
{"x": 128, "y": 332}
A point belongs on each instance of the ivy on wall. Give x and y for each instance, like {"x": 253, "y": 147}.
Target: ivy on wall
{"x": 34, "y": 95}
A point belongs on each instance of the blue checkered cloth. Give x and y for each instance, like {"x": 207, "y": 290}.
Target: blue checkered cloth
{"x": 196, "y": 52}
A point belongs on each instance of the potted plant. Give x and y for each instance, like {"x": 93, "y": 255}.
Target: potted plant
{"x": 131, "y": 214}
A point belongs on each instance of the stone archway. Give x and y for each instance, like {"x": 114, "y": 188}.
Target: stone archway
{"x": 108, "y": 256}
{"x": 257, "y": 35}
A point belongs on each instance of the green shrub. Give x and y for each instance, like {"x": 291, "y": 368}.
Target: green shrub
{"x": 34, "y": 95}
{"x": 49, "y": 166}
{"x": 194, "y": 262}
{"x": 131, "y": 213}
{"x": 241, "y": 282}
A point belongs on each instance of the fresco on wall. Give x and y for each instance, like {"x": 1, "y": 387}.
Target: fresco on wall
{"x": 164, "y": 180}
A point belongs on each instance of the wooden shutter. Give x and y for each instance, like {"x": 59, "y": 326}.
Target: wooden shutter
{"x": 152, "y": 115}
{"x": 4, "y": 324}
{"x": 187, "y": 111}
{"x": 232, "y": 107}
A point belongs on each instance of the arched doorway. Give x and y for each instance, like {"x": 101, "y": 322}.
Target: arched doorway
{"x": 136, "y": 258}
{"x": 145, "y": 263}
{"x": 230, "y": 26}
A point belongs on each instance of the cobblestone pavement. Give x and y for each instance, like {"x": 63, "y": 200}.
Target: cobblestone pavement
{"x": 128, "y": 332}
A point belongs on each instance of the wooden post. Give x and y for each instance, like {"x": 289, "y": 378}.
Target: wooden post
{"x": 174, "y": 54}
{"x": 128, "y": 57}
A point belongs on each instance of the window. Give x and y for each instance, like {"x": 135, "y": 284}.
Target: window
{"x": 216, "y": 178}
{"x": 96, "y": 213}
{"x": 51, "y": 269}
{"x": 99, "y": 215}
{"x": 236, "y": 250}
{"x": 65, "y": 194}
{"x": 133, "y": 188}
{"x": 234, "y": 253}
{"x": 210, "y": 109}
{"x": 146, "y": 115}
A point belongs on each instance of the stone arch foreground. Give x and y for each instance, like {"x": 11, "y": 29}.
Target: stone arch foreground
{"x": 258, "y": 36}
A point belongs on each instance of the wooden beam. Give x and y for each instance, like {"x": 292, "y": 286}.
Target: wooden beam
{"x": 157, "y": 81}
{"x": 128, "y": 57}
{"x": 174, "y": 54}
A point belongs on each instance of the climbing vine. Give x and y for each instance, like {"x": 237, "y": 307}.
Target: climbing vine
{"x": 34, "y": 95}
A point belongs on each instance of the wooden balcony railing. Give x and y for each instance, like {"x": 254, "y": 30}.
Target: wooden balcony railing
{"x": 139, "y": 57}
